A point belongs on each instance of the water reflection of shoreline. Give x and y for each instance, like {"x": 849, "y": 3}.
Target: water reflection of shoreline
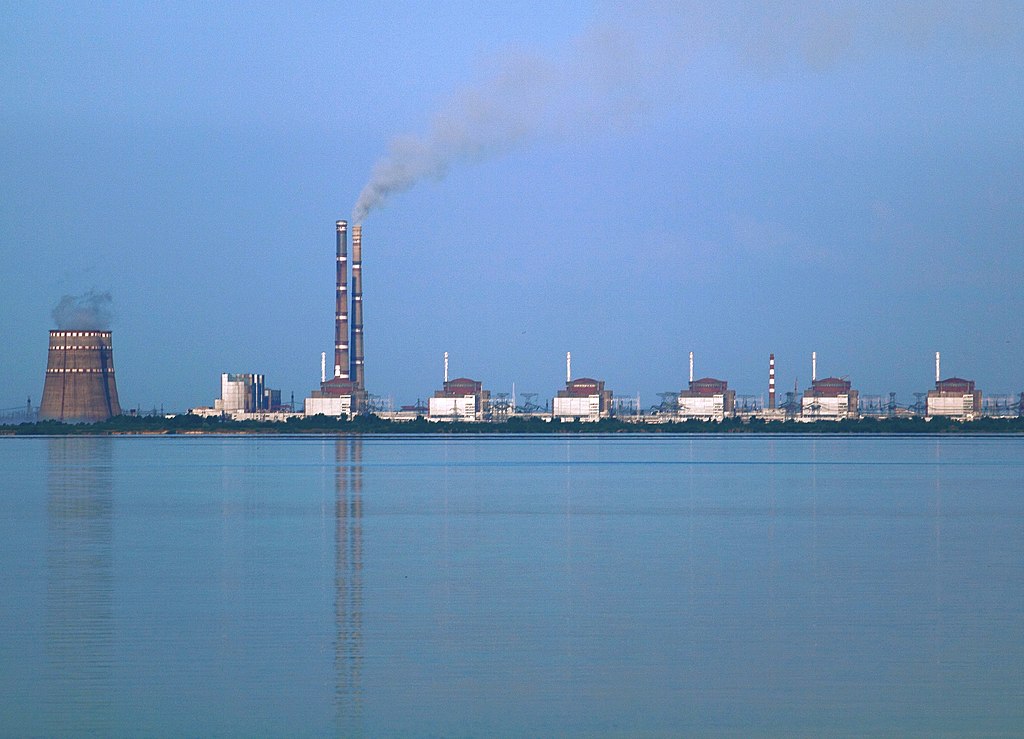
{"x": 79, "y": 597}
{"x": 348, "y": 585}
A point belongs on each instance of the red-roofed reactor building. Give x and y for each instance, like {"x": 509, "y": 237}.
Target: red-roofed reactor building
{"x": 828, "y": 399}
{"x": 706, "y": 399}
{"x": 584, "y": 399}
{"x": 954, "y": 397}
{"x": 336, "y": 397}
{"x": 461, "y": 399}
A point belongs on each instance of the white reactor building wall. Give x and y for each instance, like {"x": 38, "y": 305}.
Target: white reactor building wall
{"x": 587, "y": 407}
{"x": 705, "y": 407}
{"x": 825, "y": 407}
{"x": 463, "y": 408}
{"x": 336, "y": 406}
{"x": 955, "y": 406}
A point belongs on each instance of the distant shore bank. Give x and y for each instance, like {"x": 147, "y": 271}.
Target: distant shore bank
{"x": 372, "y": 425}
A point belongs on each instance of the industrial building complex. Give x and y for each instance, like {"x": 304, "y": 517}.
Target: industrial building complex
{"x": 80, "y": 387}
{"x": 706, "y": 399}
{"x": 461, "y": 399}
{"x": 246, "y": 393}
{"x": 828, "y": 399}
{"x": 583, "y": 399}
{"x": 954, "y": 397}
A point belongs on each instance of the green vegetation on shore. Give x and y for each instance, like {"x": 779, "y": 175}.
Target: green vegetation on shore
{"x": 189, "y": 424}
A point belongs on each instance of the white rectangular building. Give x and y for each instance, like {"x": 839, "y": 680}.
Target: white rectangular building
{"x": 953, "y": 398}
{"x": 955, "y": 406}
{"x": 244, "y": 393}
{"x": 829, "y": 399}
{"x": 706, "y": 407}
{"x": 825, "y": 408}
{"x": 329, "y": 406}
{"x": 581, "y": 408}
{"x": 706, "y": 399}
{"x": 461, "y": 408}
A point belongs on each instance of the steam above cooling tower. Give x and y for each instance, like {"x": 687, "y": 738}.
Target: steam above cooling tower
{"x": 79, "y": 385}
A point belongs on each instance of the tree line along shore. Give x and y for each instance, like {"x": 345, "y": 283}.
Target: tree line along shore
{"x": 370, "y": 424}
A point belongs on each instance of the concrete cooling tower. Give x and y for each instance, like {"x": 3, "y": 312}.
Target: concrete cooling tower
{"x": 79, "y": 384}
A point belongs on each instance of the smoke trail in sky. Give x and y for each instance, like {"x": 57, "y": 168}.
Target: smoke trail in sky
{"x": 91, "y": 311}
{"x": 607, "y": 72}
{"x": 476, "y": 123}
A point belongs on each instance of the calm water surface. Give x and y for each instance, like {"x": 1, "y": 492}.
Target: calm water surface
{"x": 512, "y": 586}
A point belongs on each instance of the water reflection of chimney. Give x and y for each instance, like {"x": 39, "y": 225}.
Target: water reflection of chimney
{"x": 80, "y": 585}
{"x": 348, "y": 585}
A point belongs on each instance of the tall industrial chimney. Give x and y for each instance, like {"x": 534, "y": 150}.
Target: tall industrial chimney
{"x": 79, "y": 385}
{"x": 771, "y": 380}
{"x": 357, "y": 306}
{"x": 341, "y": 353}
{"x": 937, "y": 375}
{"x": 814, "y": 366}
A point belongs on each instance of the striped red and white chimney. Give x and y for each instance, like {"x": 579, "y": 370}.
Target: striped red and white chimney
{"x": 357, "y": 306}
{"x": 341, "y": 353}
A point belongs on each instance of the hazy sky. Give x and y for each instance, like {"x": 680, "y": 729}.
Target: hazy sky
{"x": 626, "y": 181}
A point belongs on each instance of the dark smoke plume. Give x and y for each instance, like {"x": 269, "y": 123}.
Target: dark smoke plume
{"x": 612, "y": 71}
{"x": 91, "y": 311}
{"x": 474, "y": 124}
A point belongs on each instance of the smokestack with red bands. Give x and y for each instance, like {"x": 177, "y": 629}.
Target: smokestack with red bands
{"x": 341, "y": 353}
{"x": 357, "y": 307}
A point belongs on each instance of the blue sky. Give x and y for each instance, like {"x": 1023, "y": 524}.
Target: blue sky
{"x": 629, "y": 182}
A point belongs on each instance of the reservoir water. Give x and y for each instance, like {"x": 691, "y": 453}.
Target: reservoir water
{"x": 467, "y": 586}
